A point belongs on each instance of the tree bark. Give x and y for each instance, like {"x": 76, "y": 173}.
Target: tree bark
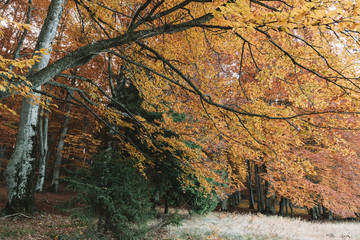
{"x": 2, "y": 154}
{"x": 251, "y": 192}
{"x": 56, "y": 170}
{"x": 282, "y": 206}
{"x": 20, "y": 171}
{"x": 235, "y": 199}
{"x": 313, "y": 213}
{"x": 260, "y": 199}
{"x": 269, "y": 198}
{"x": 43, "y": 145}
{"x": 291, "y": 209}
{"x": 224, "y": 203}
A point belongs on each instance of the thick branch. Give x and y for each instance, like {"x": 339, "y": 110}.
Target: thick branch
{"x": 86, "y": 53}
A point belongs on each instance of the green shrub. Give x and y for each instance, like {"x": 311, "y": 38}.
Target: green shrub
{"x": 200, "y": 202}
{"x": 116, "y": 195}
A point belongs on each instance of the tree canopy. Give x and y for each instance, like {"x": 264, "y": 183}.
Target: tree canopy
{"x": 271, "y": 82}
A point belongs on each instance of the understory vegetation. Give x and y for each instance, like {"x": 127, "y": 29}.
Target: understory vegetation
{"x": 114, "y": 199}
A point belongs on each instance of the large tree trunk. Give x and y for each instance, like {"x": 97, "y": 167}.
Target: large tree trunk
{"x": 20, "y": 172}
{"x": 56, "y": 170}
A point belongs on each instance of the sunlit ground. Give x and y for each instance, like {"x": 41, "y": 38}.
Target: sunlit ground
{"x": 256, "y": 226}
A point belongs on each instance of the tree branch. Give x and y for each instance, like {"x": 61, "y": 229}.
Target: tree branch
{"x": 83, "y": 54}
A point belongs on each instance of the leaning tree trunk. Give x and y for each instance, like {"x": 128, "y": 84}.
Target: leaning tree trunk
{"x": 20, "y": 171}
{"x": 56, "y": 170}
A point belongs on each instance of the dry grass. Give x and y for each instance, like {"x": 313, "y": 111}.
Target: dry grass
{"x": 249, "y": 226}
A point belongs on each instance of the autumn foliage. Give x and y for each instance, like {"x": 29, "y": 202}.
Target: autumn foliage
{"x": 232, "y": 86}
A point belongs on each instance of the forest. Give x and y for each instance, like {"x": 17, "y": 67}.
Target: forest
{"x": 191, "y": 104}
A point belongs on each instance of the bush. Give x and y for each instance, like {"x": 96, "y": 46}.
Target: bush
{"x": 200, "y": 202}
{"x": 116, "y": 195}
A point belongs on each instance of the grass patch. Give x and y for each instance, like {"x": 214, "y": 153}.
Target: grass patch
{"x": 260, "y": 227}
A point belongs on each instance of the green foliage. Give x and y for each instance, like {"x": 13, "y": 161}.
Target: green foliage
{"x": 114, "y": 193}
{"x": 166, "y": 167}
{"x": 200, "y": 202}
{"x": 178, "y": 117}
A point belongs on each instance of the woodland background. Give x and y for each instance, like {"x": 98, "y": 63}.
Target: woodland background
{"x": 136, "y": 104}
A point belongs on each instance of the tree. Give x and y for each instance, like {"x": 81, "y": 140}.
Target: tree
{"x": 224, "y": 64}
{"x": 22, "y": 163}
{"x": 114, "y": 193}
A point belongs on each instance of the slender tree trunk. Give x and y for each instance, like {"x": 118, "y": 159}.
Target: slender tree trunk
{"x": 20, "y": 171}
{"x": 313, "y": 213}
{"x": 235, "y": 199}
{"x": 56, "y": 170}
{"x": 260, "y": 199}
{"x": 291, "y": 209}
{"x": 249, "y": 181}
{"x": 281, "y": 206}
{"x": 166, "y": 207}
{"x": 224, "y": 203}
{"x": 43, "y": 144}
{"x": 269, "y": 198}
{"x": 319, "y": 210}
{"x": 2, "y": 154}
{"x": 327, "y": 213}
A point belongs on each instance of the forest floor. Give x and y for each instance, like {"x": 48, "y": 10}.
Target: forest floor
{"x": 52, "y": 223}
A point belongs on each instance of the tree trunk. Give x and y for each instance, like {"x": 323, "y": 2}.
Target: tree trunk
{"x": 313, "y": 213}
{"x": 56, "y": 170}
{"x": 224, "y": 203}
{"x": 282, "y": 206}
{"x": 235, "y": 199}
{"x": 20, "y": 171}
{"x": 269, "y": 199}
{"x": 43, "y": 145}
{"x": 260, "y": 199}
{"x": 249, "y": 181}
{"x": 286, "y": 207}
{"x": 166, "y": 207}
{"x": 2, "y": 155}
{"x": 327, "y": 213}
{"x": 291, "y": 209}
